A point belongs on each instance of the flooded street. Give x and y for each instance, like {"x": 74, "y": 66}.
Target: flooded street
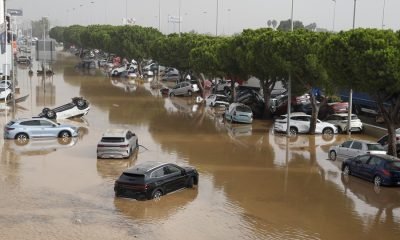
{"x": 251, "y": 186}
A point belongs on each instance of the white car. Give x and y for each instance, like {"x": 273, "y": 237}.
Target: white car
{"x": 354, "y": 148}
{"x": 117, "y": 143}
{"x": 340, "y": 121}
{"x": 79, "y": 107}
{"x": 300, "y": 123}
{"x": 217, "y": 100}
{"x": 5, "y": 93}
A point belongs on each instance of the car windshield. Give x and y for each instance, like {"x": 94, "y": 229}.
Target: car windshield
{"x": 112, "y": 139}
{"x": 375, "y": 147}
{"x": 353, "y": 117}
{"x": 243, "y": 109}
{"x": 393, "y": 165}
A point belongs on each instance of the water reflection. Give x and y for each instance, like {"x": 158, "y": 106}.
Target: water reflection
{"x": 156, "y": 211}
{"x": 39, "y": 146}
{"x": 111, "y": 169}
{"x": 375, "y": 206}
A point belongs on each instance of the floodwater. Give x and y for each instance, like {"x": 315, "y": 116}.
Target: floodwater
{"x": 251, "y": 185}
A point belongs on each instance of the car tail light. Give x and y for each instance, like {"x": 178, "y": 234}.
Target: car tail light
{"x": 386, "y": 172}
{"x": 142, "y": 187}
{"x": 123, "y": 146}
{"x": 9, "y": 129}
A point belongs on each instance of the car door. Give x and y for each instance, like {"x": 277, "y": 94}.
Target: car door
{"x": 369, "y": 169}
{"x": 358, "y": 165}
{"x": 174, "y": 179}
{"x": 355, "y": 149}
{"x": 343, "y": 149}
{"x": 48, "y": 128}
{"x": 33, "y": 128}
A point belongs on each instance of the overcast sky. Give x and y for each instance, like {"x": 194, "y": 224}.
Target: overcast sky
{"x": 200, "y": 15}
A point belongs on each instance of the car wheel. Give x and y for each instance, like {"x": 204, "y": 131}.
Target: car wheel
{"x": 137, "y": 143}
{"x": 80, "y": 103}
{"x": 332, "y": 155}
{"x": 189, "y": 93}
{"x": 21, "y": 139}
{"x": 378, "y": 181}
{"x": 327, "y": 131}
{"x": 293, "y": 131}
{"x": 64, "y": 140}
{"x": 172, "y": 94}
{"x": 339, "y": 129}
{"x": 115, "y": 73}
{"x": 346, "y": 170}
{"x": 64, "y": 134}
{"x": 45, "y": 110}
{"x": 212, "y": 104}
{"x": 190, "y": 182}
{"x": 156, "y": 195}
{"x": 50, "y": 114}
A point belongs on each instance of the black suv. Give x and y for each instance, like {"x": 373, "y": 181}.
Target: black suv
{"x": 153, "y": 179}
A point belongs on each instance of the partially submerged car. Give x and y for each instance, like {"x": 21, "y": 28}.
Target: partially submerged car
{"x": 340, "y": 121}
{"x": 117, "y": 143}
{"x": 217, "y": 100}
{"x": 183, "y": 88}
{"x": 353, "y": 148}
{"x": 300, "y": 123}
{"x": 79, "y": 107}
{"x": 378, "y": 168}
{"x": 151, "y": 180}
{"x": 5, "y": 93}
{"x": 36, "y": 127}
{"x": 239, "y": 112}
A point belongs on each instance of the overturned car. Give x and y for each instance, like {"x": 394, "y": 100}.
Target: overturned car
{"x": 77, "y": 108}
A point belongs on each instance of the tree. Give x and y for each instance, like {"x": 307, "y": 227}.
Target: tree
{"x": 274, "y": 23}
{"x": 39, "y": 27}
{"x": 286, "y": 25}
{"x": 269, "y": 23}
{"x": 368, "y": 60}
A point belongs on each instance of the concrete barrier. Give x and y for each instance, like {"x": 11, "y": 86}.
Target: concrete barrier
{"x": 374, "y": 131}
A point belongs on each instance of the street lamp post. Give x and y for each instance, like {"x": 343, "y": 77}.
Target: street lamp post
{"x": 383, "y": 14}
{"x": 179, "y": 13}
{"x": 159, "y": 15}
{"x": 216, "y": 20}
{"x": 334, "y": 15}
{"x": 350, "y": 108}
{"x": 289, "y": 105}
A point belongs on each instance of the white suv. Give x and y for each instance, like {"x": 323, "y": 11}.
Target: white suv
{"x": 340, "y": 121}
{"x": 300, "y": 123}
{"x": 117, "y": 143}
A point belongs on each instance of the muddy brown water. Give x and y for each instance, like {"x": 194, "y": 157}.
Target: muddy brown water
{"x": 251, "y": 185}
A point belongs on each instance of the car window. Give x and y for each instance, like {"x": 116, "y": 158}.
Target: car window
{"x": 374, "y": 161}
{"x": 171, "y": 170}
{"x": 30, "y": 123}
{"x": 375, "y": 146}
{"x": 243, "y": 109}
{"x": 113, "y": 139}
{"x": 331, "y": 118}
{"x": 356, "y": 145}
{"x": 363, "y": 159}
{"x": 393, "y": 165}
{"x": 157, "y": 173}
{"x": 347, "y": 144}
{"x": 45, "y": 123}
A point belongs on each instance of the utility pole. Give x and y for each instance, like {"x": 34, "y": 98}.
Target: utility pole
{"x": 289, "y": 105}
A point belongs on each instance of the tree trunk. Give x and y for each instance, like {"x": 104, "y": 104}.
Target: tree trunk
{"x": 391, "y": 138}
{"x": 390, "y": 120}
{"x": 233, "y": 90}
{"x": 314, "y": 114}
{"x": 267, "y": 86}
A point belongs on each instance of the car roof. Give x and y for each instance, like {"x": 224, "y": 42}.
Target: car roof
{"x": 115, "y": 132}
{"x": 32, "y": 118}
{"x": 296, "y": 114}
{"x": 343, "y": 114}
{"x": 385, "y": 157}
{"x": 145, "y": 167}
{"x": 362, "y": 141}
